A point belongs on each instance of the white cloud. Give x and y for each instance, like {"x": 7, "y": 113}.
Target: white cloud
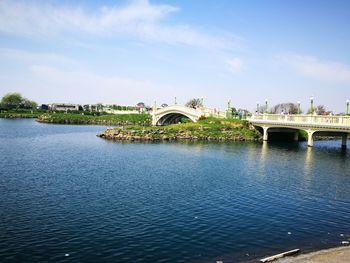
{"x": 138, "y": 19}
{"x": 315, "y": 68}
{"x": 84, "y": 86}
{"x": 22, "y": 56}
{"x": 234, "y": 64}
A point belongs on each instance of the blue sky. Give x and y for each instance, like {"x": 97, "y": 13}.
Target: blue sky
{"x": 123, "y": 52}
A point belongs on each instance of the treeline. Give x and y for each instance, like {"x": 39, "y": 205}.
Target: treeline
{"x": 123, "y": 108}
{"x": 293, "y": 108}
{"x": 15, "y": 101}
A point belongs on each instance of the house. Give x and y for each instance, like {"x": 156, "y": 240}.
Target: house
{"x": 63, "y": 106}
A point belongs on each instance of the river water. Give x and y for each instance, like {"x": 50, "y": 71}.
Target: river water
{"x": 69, "y": 196}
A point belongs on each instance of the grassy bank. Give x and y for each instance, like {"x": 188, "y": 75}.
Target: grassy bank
{"x": 20, "y": 114}
{"x": 122, "y": 119}
{"x": 211, "y": 129}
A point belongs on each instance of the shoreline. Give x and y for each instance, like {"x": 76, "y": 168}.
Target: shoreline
{"x": 331, "y": 255}
{"x": 117, "y": 134}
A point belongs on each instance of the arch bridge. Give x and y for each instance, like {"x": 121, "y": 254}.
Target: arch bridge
{"x": 312, "y": 124}
{"x": 173, "y": 114}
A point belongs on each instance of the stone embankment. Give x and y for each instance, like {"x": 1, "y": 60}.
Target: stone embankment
{"x": 163, "y": 135}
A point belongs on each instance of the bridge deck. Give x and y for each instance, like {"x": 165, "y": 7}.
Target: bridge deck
{"x": 303, "y": 121}
{"x": 339, "y": 125}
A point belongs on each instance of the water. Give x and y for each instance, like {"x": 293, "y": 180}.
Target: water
{"x": 69, "y": 196}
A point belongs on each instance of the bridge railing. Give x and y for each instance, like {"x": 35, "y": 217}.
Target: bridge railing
{"x": 197, "y": 112}
{"x": 209, "y": 112}
{"x": 303, "y": 119}
{"x": 177, "y": 108}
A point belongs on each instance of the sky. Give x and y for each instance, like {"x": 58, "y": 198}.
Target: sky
{"x": 128, "y": 51}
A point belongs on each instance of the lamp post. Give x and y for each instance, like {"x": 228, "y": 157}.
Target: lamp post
{"x": 229, "y": 112}
{"x": 175, "y": 101}
{"x": 266, "y": 106}
{"x": 257, "y": 107}
{"x": 347, "y": 107}
{"x": 311, "y": 105}
{"x": 298, "y": 107}
{"x": 202, "y": 99}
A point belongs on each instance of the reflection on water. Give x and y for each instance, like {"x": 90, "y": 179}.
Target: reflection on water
{"x": 308, "y": 164}
{"x": 63, "y": 190}
{"x": 264, "y": 153}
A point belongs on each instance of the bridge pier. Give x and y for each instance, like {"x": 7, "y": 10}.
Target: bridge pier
{"x": 323, "y": 125}
{"x": 310, "y": 139}
{"x": 344, "y": 140}
{"x": 265, "y": 133}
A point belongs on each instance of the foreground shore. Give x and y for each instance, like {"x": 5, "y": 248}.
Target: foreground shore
{"x": 333, "y": 255}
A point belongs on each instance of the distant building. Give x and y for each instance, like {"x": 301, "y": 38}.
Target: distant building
{"x": 44, "y": 107}
{"x": 64, "y": 106}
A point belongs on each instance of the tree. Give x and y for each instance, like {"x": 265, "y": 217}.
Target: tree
{"x": 140, "y": 105}
{"x": 261, "y": 109}
{"x": 15, "y": 100}
{"x": 320, "y": 109}
{"x": 99, "y": 107}
{"x": 287, "y": 107}
{"x": 11, "y": 100}
{"x": 86, "y": 107}
{"x": 194, "y": 103}
{"x": 28, "y": 104}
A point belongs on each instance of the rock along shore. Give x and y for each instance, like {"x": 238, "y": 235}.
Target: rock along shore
{"x": 121, "y": 134}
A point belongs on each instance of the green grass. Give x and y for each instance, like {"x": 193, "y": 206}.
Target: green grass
{"x": 122, "y": 119}
{"x": 20, "y": 113}
{"x": 206, "y": 129}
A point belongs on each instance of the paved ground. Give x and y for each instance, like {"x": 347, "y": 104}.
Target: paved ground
{"x": 334, "y": 255}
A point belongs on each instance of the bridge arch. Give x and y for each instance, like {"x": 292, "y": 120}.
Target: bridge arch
{"x": 266, "y": 131}
{"x": 173, "y": 114}
{"x": 173, "y": 118}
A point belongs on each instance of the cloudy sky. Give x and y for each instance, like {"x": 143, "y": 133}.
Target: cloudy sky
{"x": 127, "y": 51}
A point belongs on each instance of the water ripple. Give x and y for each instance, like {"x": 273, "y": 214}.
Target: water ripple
{"x": 64, "y": 191}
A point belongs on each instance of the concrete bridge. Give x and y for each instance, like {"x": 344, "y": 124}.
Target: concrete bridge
{"x": 173, "y": 114}
{"x": 313, "y": 124}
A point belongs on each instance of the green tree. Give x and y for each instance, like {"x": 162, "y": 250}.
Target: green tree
{"x": 28, "y": 104}
{"x": 194, "y": 103}
{"x": 11, "y": 100}
{"x": 15, "y": 100}
{"x": 320, "y": 109}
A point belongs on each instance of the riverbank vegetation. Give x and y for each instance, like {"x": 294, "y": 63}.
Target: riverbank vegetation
{"x": 210, "y": 129}
{"x": 121, "y": 119}
{"x": 14, "y": 105}
{"x": 21, "y": 113}
{"x": 15, "y": 101}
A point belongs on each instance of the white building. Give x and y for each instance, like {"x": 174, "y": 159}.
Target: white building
{"x": 63, "y": 106}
